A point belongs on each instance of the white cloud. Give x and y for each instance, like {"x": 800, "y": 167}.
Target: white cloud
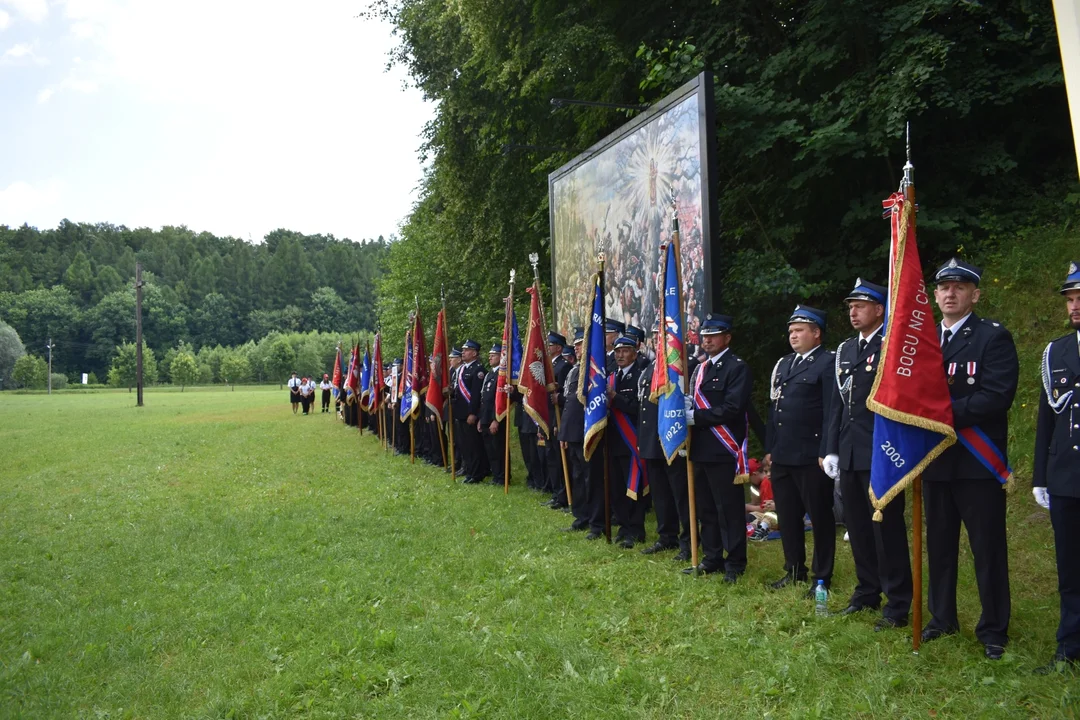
{"x": 33, "y": 10}
{"x": 5, "y": 20}
{"x": 22, "y": 202}
{"x": 21, "y": 54}
{"x": 44, "y": 95}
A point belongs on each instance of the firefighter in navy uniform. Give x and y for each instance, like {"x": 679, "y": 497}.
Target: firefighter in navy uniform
{"x": 879, "y": 549}
{"x": 633, "y": 331}
{"x": 1057, "y": 471}
{"x": 982, "y": 369}
{"x": 492, "y": 431}
{"x": 613, "y": 330}
{"x": 626, "y": 511}
{"x": 716, "y": 410}
{"x": 667, "y": 483}
{"x": 801, "y": 389}
{"x": 560, "y": 368}
{"x": 572, "y": 438}
{"x": 465, "y": 395}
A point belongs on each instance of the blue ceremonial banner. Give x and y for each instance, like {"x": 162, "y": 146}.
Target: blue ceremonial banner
{"x": 365, "y": 379}
{"x": 913, "y": 421}
{"x": 592, "y": 381}
{"x": 670, "y": 396}
{"x": 408, "y": 396}
{"x": 515, "y": 348}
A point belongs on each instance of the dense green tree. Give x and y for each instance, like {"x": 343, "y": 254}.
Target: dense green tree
{"x": 40, "y": 314}
{"x": 183, "y": 369}
{"x": 11, "y": 349}
{"x": 108, "y": 280}
{"x": 235, "y": 367}
{"x": 79, "y": 278}
{"x": 123, "y": 373}
{"x": 30, "y": 371}
{"x": 329, "y": 311}
{"x": 280, "y": 358}
{"x": 214, "y": 322}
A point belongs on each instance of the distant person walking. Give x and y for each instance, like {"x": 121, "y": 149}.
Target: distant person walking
{"x": 325, "y": 387}
{"x": 294, "y": 392}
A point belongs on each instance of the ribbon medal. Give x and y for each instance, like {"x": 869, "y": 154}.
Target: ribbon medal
{"x": 870, "y": 363}
{"x": 951, "y": 372}
{"x": 971, "y": 373}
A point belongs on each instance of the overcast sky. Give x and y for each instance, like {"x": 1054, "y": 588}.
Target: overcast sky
{"x": 231, "y": 116}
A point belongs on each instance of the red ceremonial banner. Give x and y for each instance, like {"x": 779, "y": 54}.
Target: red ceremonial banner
{"x": 536, "y": 378}
{"x": 439, "y": 382}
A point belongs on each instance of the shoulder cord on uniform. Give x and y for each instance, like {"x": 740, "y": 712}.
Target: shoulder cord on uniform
{"x": 570, "y": 384}
{"x": 774, "y": 391}
{"x": 842, "y": 387}
{"x": 1062, "y": 402}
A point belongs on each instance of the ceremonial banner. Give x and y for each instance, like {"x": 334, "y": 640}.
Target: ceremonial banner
{"x": 378, "y": 378}
{"x": 365, "y": 379}
{"x": 336, "y": 380}
{"x": 352, "y": 379}
{"x": 535, "y": 376}
{"x": 592, "y": 380}
{"x": 510, "y": 363}
{"x": 409, "y": 399}
{"x": 420, "y": 362}
{"x": 910, "y": 396}
{"x": 439, "y": 382}
{"x": 668, "y": 381}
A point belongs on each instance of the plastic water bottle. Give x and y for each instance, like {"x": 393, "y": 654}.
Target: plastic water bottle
{"x": 821, "y": 598}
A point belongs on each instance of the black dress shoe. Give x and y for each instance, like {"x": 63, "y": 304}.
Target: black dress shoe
{"x": 994, "y": 652}
{"x": 470, "y": 481}
{"x": 888, "y": 623}
{"x": 932, "y": 633}
{"x": 656, "y": 547}
{"x": 627, "y": 543}
{"x": 785, "y": 581}
{"x": 1060, "y": 664}
{"x": 700, "y": 569}
{"x": 852, "y": 609}
{"x": 558, "y": 506}
{"x": 731, "y": 577}
{"x": 681, "y": 556}
{"x": 594, "y": 535}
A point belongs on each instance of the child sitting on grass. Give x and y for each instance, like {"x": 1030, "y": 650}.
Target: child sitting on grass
{"x": 760, "y": 515}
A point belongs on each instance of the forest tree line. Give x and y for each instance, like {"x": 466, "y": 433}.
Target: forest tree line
{"x": 75, "y": 285}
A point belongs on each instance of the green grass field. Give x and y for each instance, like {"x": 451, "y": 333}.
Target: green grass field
{"x": 213, "y": 556}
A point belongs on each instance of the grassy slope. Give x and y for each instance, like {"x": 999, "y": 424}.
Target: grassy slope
{"x": 213, "y": 556}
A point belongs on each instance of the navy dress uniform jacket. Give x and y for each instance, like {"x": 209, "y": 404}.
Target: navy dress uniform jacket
{"x": 1057, "y": 435}
{"x": 472, "y": 377}
{"x": 626, "y": 401}
{"x": 799, "y": 407}
{"x": 851, "y": 424}
{"x": 573, "y": 419}
{"x": 487, "y": 400}
{"x": 727, "y": 385}
{"x": 985, "y": 402}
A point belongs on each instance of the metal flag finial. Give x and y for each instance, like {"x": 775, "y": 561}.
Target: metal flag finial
{"x": 909, "y": 169}
{"x": 513, "y": 274}
{"x": 534, "y": 259}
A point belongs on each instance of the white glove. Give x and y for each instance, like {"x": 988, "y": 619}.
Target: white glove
{"x": 688, "y": 409}
{"x": 831, "y": 465}
{"x": 1041, "y": 496}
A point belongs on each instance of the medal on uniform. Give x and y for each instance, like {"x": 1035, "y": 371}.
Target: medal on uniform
{"x": 951, "y": 372}
{"x": 971, "y": 373}
{"x": 869, "y": 363}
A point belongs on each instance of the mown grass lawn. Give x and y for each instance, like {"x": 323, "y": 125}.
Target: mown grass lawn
{"x": 213, "y": 556}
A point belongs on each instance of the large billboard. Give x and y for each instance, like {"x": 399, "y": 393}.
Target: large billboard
{"x": 617, "y": 197}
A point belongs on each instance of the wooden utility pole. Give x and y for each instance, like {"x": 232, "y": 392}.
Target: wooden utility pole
{"x": 138, "y": 334}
